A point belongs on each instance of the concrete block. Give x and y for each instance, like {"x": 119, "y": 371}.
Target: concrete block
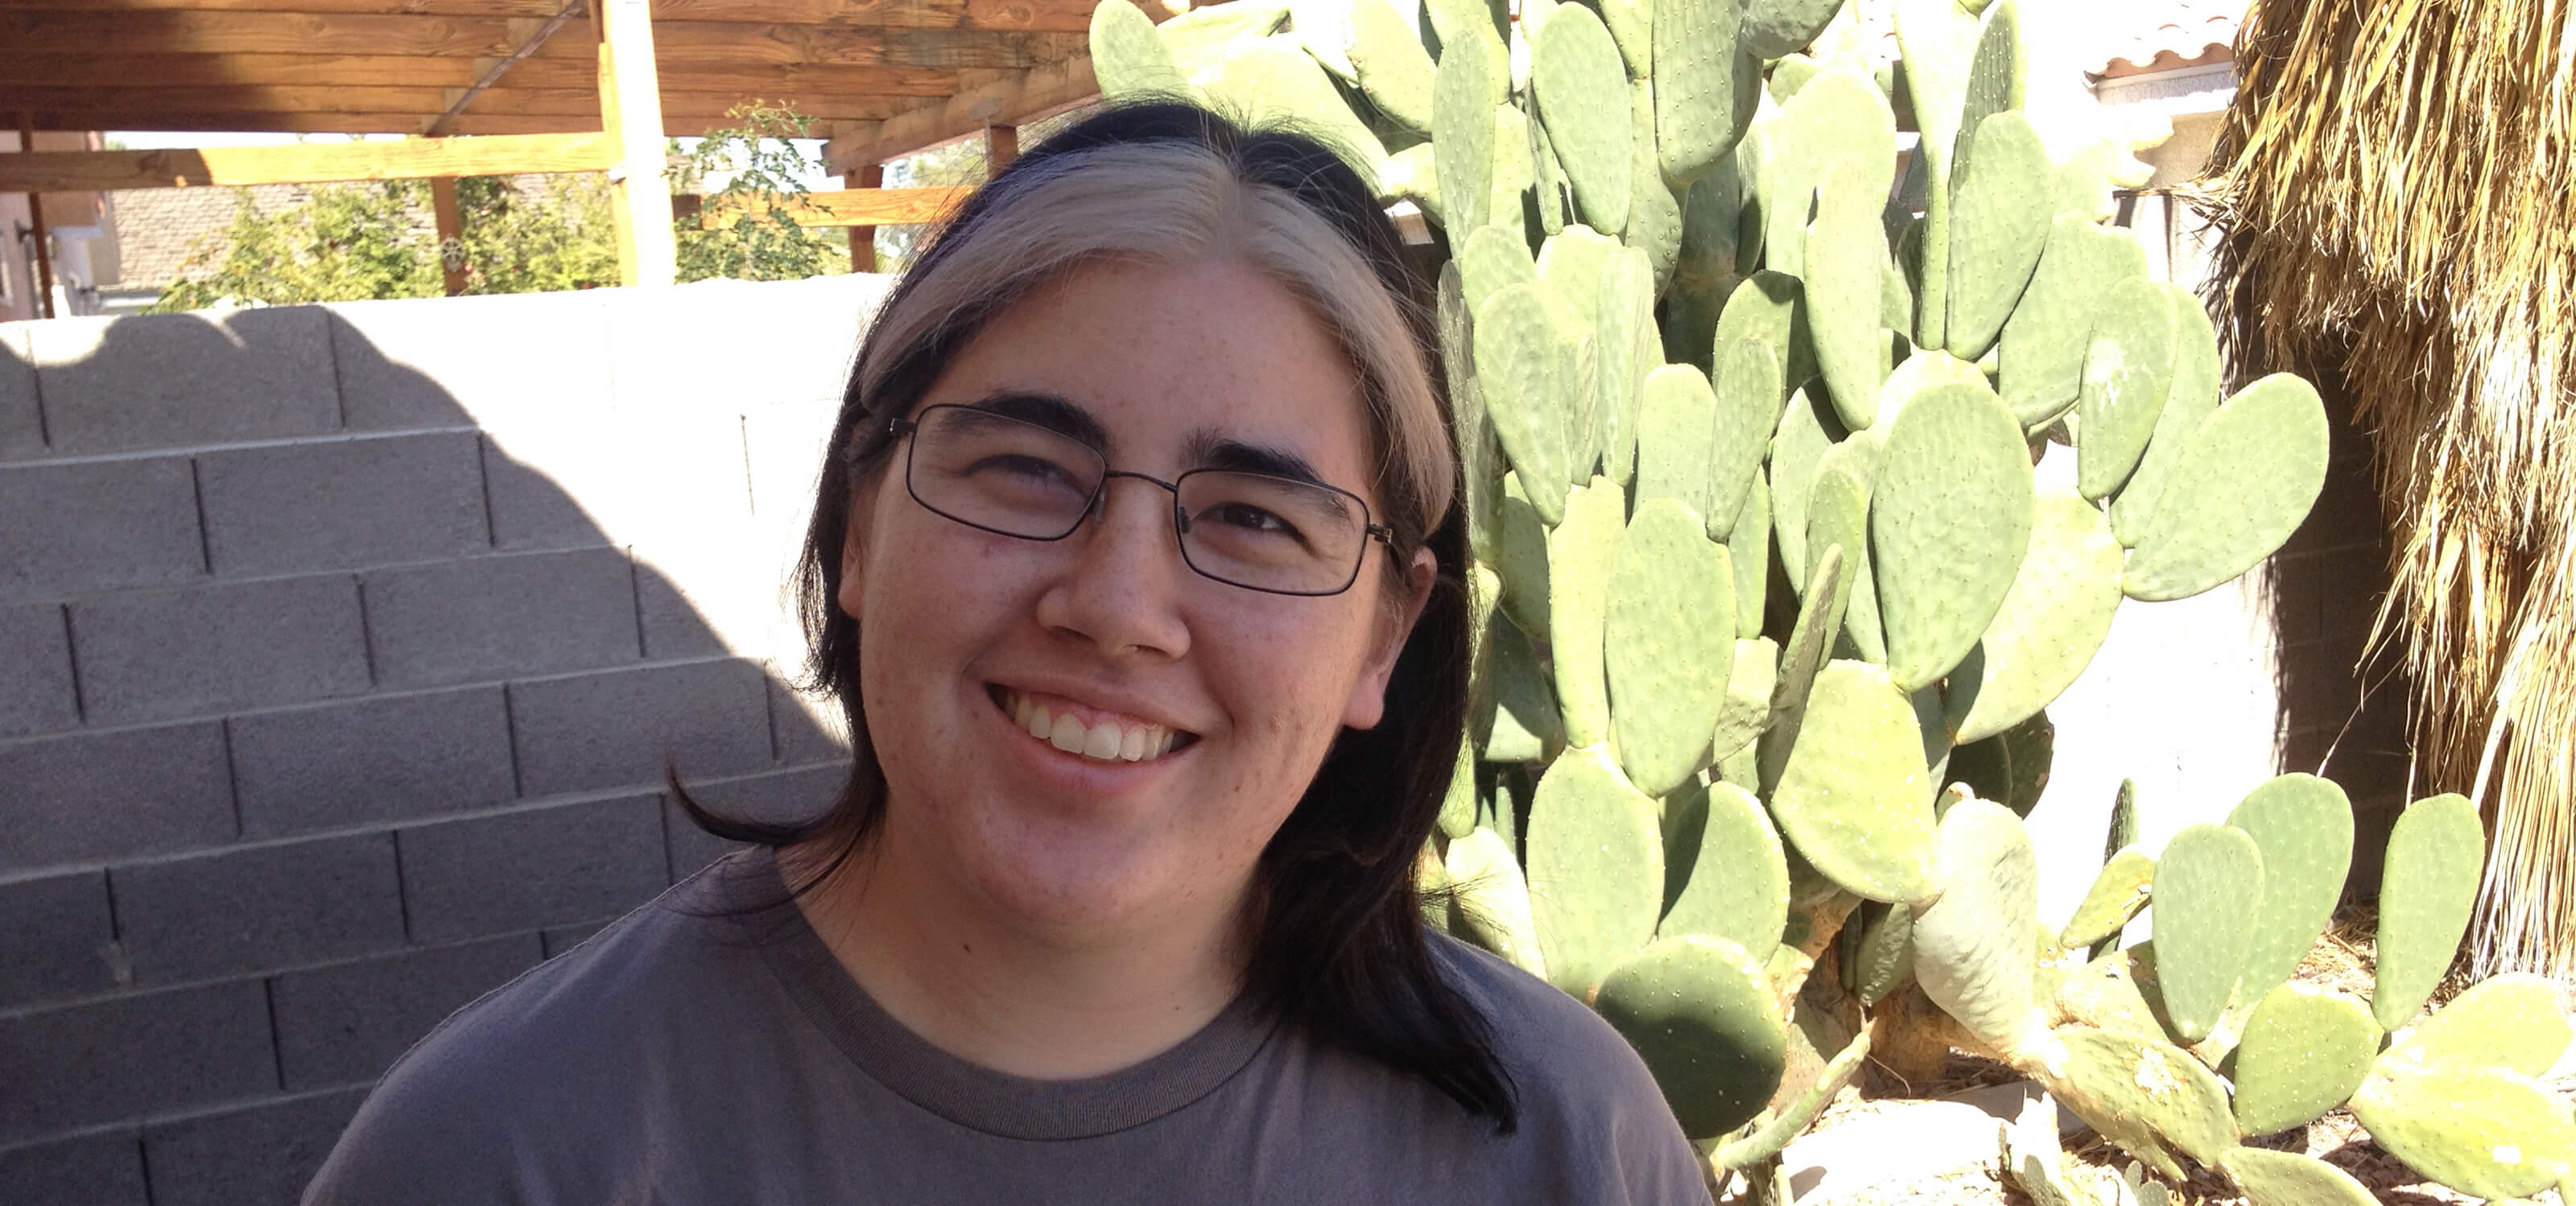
{"x": 347, "y": 1023}
{"x": 104, "y": 1169}
{"x": 114, "y": 794}
{"x": 559, "y": 939}
{"x": 536, "y": 867}
{"x": 810, "y": 328}
{"x": 553, "y": 486}
{"x": 218, "y": 646}
{"x": 184, "y": 380}
{"x": 688, "y": 484}
{"x": 804, "y": 729}
{"x": 343, "y": 504}
{"x": 487, "y": 361}
{"x": 56, "y": 939}
{"x": 263, "y": 1153}
{"x": 22, "y": 419}
{"x": 36, "y": 662}
{"x": 723, "y": 595}
{"x": 259, "y": 907}
{"x": 75, "y": 529}
{"x": 621, "y": 727}
{"x": 486, "y": 618}
{"x": 777, "y": 797}
{"x": 123, "y": 1057}
{"x": 378, "y": 758}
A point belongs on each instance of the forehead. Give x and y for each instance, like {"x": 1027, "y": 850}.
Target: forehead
{"x": 1169, "y": 357}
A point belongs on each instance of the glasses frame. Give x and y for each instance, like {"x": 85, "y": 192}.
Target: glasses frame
{"x": 900, "y": 426}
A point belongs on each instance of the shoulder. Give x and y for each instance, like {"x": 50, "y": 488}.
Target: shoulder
{"x": 1579, "y": 1085}
{"x": 480, "y": 1108}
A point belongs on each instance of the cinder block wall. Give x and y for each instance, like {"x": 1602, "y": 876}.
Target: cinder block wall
{"x": 341, "y": 649}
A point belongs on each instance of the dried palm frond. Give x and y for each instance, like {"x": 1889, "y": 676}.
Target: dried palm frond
{"x": 2397, "y": 184}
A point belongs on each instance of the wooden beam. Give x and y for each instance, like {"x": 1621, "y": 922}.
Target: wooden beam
{"x": 44, "y": 306}
{"x": 1015, "y": 99}
{"x": 724, "y": 42}
{"x": 1053, "y": 16}
{"x": 451, "y": 233}
{"x": 312, "y": 163}
{"x": 852, "y": 207}
{"x": 764, "y": 80}
{"x": 630, "y": 106}
{"x": 674, "y": 125}
{"x": 169, "y": 31}
{"x": 863, "y": 239}
{"x": 1001, "y": 146}
{"x": 492, "y": 74}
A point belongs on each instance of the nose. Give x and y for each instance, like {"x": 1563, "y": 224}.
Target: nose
{"x": 1123, "y": 588}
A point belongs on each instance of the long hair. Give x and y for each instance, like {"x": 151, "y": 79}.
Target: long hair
{"x": 1339, "y": 947}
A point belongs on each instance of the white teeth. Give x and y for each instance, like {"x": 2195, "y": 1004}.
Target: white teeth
{"x": 1108, "y": 741}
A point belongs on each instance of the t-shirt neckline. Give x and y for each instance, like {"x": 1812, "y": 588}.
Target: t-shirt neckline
{"x": 971, "y": 1095}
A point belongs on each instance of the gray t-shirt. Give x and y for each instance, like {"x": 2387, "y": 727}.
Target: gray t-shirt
{"x": 686, "y": 1055}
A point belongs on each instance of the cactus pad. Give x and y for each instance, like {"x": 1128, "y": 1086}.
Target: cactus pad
{"x": 1854, "y": 795}
{"x": 1463, "y": 99}
{"x": 1810, "y": 639}
{"x": 1938, "y": 40}
{"x": 2271, "y": 1178}
{"x": 2209, "y": 889}
{"x": 1884, "y": 960}
{"x": 1747, "y": 405}
{"x": 1198, "y": 38}
{"x": 1491, "y": 902}
{"x": 1698, "y": 1010}
{"x": 1838, "y": 514}
{"x": 1273, "y": 77}
{"x": 1837, "y": 123}
{"x": 2143, "y": 1096}
{"x": 1999, "y": 213}
{"x": 2128, "y": 367}
{"x": 1738, "y": 887}
{"x": 1747, "y": 706}
{"x": 1669, "y": 644}
{"x": 2427, "y": 885}
{"x": 2189, "y": 402}
{"x": 1490, "y": 258}
{"x": 1748, "y": 546}
{"x": 2482, "y": 1131}
{"x": 1596, "y": 868}
{"x": 2042, "y": 363}
{"x": 1515, "y": 173}
{"x": 1798, "y": 448}
{"x": 1706, "y": 87}
{"x": 2106, "y": 994}
{"x": 1130, "y": 58}
{"x": 1845, "y": 259}
{"x": 1975, "y": 946}
{"x": 1953, "y": 450}
{"x": 2511, "y": 1021}
{"x": 2243, "y": 483}
{"x": 1458, "y": 808}
{"x": 2010, "y": 768}
{"x": 2303, "y": 1052}
{"x": 1765, "y": 308}
{"x": 1521, "y": 556}
{"x": 2304, "y": 826}
{"x": 1575, "y": 67}
{"x": 2116, "y": 896}
{"x": 1527, "y": 374}
{"x": 1527, "y": 727}
{"x": 1395, "y": 71}
{"x": 1774, "y": 28}
{"x": 1480, "y": 483}
{"x": 1580, "y": 553}
{"x": 1674, "y": 426}
{"x": 2052, "y": 620}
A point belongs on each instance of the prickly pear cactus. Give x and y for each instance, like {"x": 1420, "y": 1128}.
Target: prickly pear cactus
{"x": 1770, "y": 601}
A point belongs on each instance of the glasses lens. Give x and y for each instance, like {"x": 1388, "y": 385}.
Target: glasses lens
{"x": 1271, "y": 533}
{"x": 1002, "y": 473}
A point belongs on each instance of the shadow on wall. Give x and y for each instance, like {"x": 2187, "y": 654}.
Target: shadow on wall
{"x": 2342, "y": 707}
{"x": 341, "y": 649}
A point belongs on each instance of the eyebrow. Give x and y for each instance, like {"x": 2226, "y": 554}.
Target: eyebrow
{"x": 1208, "y": 450}
{"x": 1048, "y": 411}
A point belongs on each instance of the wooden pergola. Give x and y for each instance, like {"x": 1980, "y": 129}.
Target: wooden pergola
{"x": 506, "y": 87}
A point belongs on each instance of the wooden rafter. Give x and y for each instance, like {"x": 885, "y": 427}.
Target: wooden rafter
{"x": 491, "y": 73}
{"x": 1056, "y": 16}
{"x": 304, "y": 163}
{"x": 1015, "y": 100}
{"x": 144, "y": 74}
{"x": 839, "y": 207}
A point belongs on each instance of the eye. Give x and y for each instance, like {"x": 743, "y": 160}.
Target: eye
{"x": 1249, "y": 518}
{"x": 1028, "y": 468}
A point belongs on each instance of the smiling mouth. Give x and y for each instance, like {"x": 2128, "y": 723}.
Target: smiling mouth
{"x": 1109, "y": 738}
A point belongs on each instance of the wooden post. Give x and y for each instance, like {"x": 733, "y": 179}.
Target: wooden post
{"x": 630, "y": 106}
{"x": 44, "y": 307}
{"x": 863, "y": 239}
{"x": 451, "y": 233}
{"x": 1001, "y": 146}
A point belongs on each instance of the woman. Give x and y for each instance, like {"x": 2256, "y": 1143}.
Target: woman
{"x": 1138, "y": 580}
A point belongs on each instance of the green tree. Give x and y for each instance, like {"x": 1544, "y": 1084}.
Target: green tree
{"x": 342, "y": 243}
{"x": 758, "y": 162}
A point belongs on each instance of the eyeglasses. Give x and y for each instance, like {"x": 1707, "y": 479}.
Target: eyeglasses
{"x": 1258, "y": 531}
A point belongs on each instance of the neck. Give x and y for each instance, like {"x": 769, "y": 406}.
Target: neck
{"x": 967, "y": 978}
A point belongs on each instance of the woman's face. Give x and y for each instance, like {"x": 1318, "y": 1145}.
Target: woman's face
{"x": 964, "y": 633}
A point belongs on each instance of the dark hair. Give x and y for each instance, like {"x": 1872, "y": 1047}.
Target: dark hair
{"x": 1340, "y": 948}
